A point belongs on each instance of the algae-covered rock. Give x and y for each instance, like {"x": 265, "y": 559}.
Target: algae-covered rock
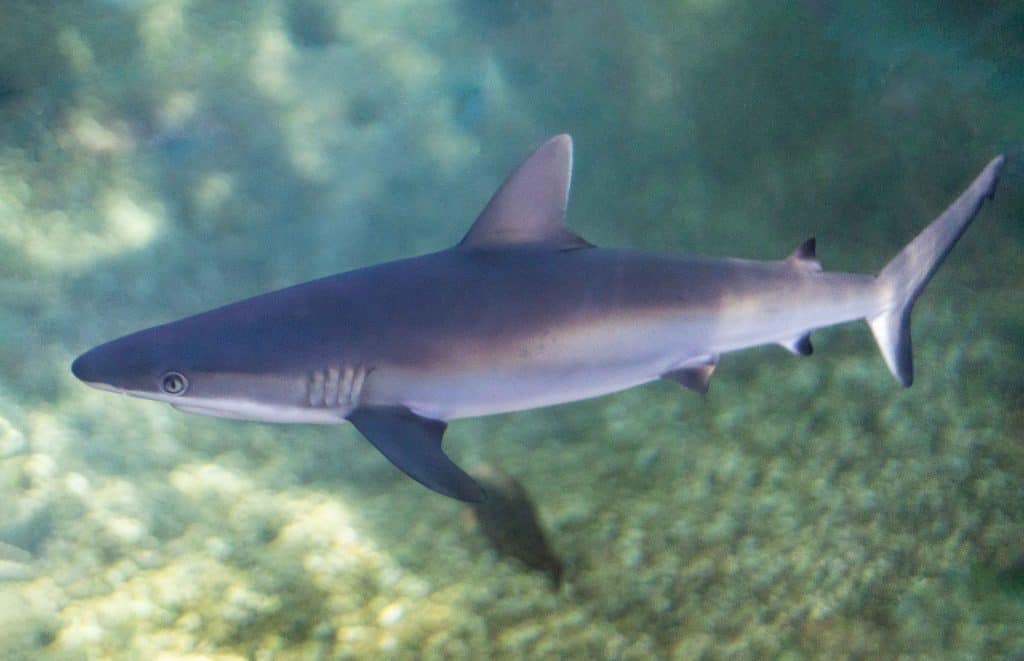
{"x": 25, "y": 631}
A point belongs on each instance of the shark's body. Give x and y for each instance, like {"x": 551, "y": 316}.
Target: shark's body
{"x": 521, "y": 314}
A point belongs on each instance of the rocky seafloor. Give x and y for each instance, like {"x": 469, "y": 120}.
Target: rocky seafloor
{"x": 160, "y": 158}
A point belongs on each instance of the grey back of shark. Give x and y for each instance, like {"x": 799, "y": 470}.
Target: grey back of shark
{"x": 522, "y": 313}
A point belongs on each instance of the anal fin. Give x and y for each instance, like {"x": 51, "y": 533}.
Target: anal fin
{"x": 413, "y": 444}
{"x": 800, "y": 345}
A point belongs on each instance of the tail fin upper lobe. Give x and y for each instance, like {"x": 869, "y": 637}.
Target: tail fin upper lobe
{"x": 903, "y": 278}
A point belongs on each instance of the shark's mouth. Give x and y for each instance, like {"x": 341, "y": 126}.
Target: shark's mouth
{"x": 213, "y": 411}
{"x": 99, "y": 385}
{"x": 244, "y": 410}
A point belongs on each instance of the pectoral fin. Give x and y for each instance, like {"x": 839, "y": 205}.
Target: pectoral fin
{"x": 413, "y": 444}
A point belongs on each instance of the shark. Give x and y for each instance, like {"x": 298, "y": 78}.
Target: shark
{"x": 521, "y": 313}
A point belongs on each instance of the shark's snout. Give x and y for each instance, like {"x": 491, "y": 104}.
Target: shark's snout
{"x": 87, "y": 367}
{"x": 94, "y": 368}
{"x": 99, "y": 367}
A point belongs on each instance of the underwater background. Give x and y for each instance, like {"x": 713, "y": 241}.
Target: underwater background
{"x": 159, "y": 158}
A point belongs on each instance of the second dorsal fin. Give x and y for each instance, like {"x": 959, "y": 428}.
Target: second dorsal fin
{"x": 804, "y": 256}
{"x": 529, "y": 207}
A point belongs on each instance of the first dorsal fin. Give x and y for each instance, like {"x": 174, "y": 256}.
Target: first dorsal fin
{"x": 529, "y": 207}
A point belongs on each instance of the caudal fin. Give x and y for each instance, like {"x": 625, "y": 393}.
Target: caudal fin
{"x": 903, "y": 279}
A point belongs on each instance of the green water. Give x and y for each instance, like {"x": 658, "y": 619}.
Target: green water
{"x": 158, "y": 158}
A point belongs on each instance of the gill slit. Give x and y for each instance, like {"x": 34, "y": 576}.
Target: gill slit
{"x": 336, "y": 386}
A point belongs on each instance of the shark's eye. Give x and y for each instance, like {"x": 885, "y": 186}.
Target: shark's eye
{"x": 174, "y": 383}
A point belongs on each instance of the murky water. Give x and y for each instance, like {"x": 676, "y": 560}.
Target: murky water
{"x": 159, "y": 158}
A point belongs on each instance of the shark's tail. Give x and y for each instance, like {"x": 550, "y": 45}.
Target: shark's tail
{"x": 903, "y": 278}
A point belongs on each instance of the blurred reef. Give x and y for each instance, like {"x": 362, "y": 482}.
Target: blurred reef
{"x": 161, "y": 157}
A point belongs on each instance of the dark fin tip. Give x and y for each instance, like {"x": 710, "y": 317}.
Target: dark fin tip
{"x": 805, "y": 256}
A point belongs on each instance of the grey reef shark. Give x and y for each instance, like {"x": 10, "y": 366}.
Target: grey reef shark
{"x": 522, "y": 313}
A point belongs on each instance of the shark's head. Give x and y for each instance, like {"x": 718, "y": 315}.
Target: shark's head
{"x": 142, "y": 364}
{"x": 196, "y": 368}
